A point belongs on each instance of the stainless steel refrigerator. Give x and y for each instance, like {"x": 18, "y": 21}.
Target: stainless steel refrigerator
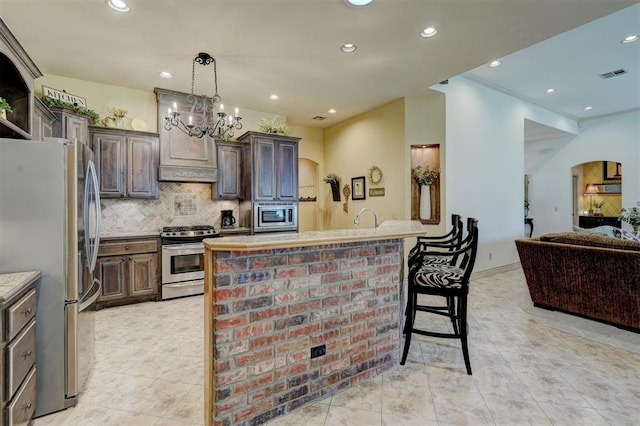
{"x": 50, "y": 221}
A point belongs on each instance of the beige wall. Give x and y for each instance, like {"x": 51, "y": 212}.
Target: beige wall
{"x": 376, "y": 137}
{"x": 101, "y": 97}
{"x": 425, "y": 124}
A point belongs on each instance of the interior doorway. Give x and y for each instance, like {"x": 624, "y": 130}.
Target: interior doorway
{"x": 597, "y": 193}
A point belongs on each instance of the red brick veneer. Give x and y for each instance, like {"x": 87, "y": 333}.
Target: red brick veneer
{"x": 272, "y": 306}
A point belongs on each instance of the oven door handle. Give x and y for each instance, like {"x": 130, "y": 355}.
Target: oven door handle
{"x": 184, "y": 284}
{"x": 182, "y": 246}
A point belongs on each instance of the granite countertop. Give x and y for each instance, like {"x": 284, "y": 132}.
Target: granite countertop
{"x": 389, "y": 229}
{"x": 12, "y": 283}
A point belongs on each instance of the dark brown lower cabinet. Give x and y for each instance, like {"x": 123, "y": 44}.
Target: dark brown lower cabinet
{"x": 129, "y": 270}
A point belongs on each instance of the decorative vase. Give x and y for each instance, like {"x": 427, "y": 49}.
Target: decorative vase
{"x": 425, "y": 202}
{"x": 110, "y": 122}
{"x": 636, "y": 228}
{"x": 120, "y": 123}
{"x": 3, "y": 114}
{"x": 335, "y": 191}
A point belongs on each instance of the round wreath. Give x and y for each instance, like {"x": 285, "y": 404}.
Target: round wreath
{"x": 375, "y": 175}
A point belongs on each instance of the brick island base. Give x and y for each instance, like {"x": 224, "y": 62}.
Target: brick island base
{"x": 266, "y": 309}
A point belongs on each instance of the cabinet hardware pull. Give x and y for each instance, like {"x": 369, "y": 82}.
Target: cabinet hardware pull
{"x": 126, "y": 247}
{"x": 124, "y": 258}
{"x": 27, "y": 405}
{"x": 27, "y": 311}
{"x": 26, "y": 354}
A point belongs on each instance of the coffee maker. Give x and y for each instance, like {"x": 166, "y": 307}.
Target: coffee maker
{"x": 227, "y": 220}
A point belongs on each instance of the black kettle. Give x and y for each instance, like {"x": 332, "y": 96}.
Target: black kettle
{"x": 227, "y": 220}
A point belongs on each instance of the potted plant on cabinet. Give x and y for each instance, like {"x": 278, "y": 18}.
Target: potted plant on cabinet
{"x": 5, "y": 107}
{"x": 425, "y": 176}
{"x": 598, "y": 204}
{"x": 334, "y": 180}
{"x": 632, "y": 217}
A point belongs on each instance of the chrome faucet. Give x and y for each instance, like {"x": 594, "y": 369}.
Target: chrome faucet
{"x": 356, "y": 221}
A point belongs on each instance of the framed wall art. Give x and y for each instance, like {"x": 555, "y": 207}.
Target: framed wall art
{"x": 611, "y": 170}
{"x": 358, "y": 188}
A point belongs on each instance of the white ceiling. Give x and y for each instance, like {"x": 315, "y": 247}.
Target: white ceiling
{"x": 292, "y": 48}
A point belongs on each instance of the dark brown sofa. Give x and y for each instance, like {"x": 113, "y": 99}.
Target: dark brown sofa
{"x": 588, "y": 274}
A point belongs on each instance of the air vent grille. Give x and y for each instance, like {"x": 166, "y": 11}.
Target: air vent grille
{"x": 319, "y": 118}
{"x": 615, "y": 73}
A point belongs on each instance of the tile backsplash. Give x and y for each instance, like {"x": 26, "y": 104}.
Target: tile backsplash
{"x": 180, "y": 204}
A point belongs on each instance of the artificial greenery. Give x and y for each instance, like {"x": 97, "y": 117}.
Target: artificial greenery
{"x": 5, "y": 105}
{"x": 49, "y": 101}
{"x": 631, "y": 216}
{"x": 332, "y": 179}
{"x": 273, "y": 125}
{"x": 425, "y": 175}
{"x": 598, "y": 204}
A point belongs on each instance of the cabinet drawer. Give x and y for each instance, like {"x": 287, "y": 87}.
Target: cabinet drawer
{"x": 21, "y": 313}
{"x": 21, "y": 355}
{"x": 128, "y": 247}
{"x": 21, "y": 409}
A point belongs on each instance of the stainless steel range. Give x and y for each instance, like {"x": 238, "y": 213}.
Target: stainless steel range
{"x": 183, "y": 259}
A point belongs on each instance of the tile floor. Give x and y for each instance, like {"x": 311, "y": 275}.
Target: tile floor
{"x": 530, "y": 367}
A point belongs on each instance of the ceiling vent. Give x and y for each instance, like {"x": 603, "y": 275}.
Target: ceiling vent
{"x": 319, "y": 118}
{"x": 615, "y": 73}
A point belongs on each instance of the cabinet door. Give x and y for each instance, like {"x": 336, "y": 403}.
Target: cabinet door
{"x": 110, "y": 160}
{"x": 229, "y": 185}
{"x": 142, "y": 279}
{"x": 111, "y": 272}
{"x": 76, "y": 128}
{"x": 42, "y": 126}
{"x": 264, "y": 176}
{"x": 142, "y": 167}
{"x": 287, "y": 171}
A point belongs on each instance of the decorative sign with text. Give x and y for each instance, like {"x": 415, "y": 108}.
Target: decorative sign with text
{"x": 376, "y": 192}
{"x": 64, "y": 96}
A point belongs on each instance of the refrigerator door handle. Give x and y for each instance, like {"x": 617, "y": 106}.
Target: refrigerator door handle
{"x": 94, "y": 292}
{"x": 92, "y": 189}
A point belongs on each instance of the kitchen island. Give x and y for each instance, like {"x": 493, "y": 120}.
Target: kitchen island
{"x": 291, "y": 319}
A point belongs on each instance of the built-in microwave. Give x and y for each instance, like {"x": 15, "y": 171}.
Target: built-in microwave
{"x": 275, "y": 217}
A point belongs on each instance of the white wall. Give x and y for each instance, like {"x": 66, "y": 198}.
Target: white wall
{"x": 485, "y": 163}
{"x": 613, "y": 138}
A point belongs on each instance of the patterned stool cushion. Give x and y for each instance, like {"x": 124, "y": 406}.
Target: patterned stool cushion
{"x": 439, "y": 276}
{"x": 436, "y": 260}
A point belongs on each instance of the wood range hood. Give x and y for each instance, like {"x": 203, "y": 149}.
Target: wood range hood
{"x": 183, "y": 158}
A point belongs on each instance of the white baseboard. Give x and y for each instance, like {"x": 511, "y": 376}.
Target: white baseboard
{"x": 493, "y": 271}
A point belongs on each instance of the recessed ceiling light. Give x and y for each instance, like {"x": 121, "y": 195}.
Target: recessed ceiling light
{"x": 631, "y": 38}
{"x": 494, "y": 64}
{"x": 358, "y": 3}
{"x": 165, "y": 74}
{"x": 428, "y": 32}
{"x": 348, "y": 47}
{"x": 332, "y": 111}
{"x": 118, "y": 5}
{"x": 588, "y": 108}
{"x": 550, "y": 91}
{"x": 274, "y": 97}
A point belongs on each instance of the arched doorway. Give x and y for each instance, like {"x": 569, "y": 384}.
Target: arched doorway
{"x": 597, "y": 193}
{"x": 308, "y": 191}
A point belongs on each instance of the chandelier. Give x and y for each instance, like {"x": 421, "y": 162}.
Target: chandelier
{"x": 205, "y": 117}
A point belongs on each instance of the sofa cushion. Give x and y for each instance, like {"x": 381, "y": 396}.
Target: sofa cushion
{"x": 604, "y": 229}
{"x": 592, "y": 239}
